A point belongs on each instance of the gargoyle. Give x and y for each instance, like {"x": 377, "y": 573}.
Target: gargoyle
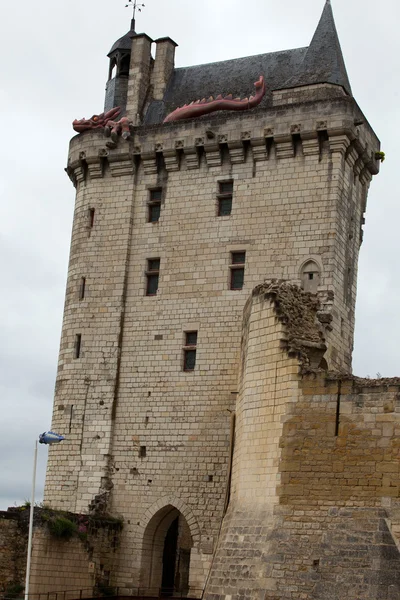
{"x": 105, "y": 121}
{"x": 203, "y": 107}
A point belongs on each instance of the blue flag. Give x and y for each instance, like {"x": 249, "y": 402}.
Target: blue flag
{"x": 49, "y": 437}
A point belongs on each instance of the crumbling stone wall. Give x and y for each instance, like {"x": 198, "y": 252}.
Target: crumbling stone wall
{"x": 313, "y": 511}
{"x": 13, "y": 546}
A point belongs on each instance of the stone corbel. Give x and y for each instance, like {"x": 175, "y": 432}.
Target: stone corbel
{"x": 76, "y": 172}
{"x": 192, "y": 158}
{"x": 358, "y": 167}
{"x": 259, "y": 149}
{"x": 338, "y": 143}
{"x": 365, "y": 176}
{"x": 213, "y": 155}
{"x": 120, "y": 164}
{"x": 171, "y": 160}
{"x": 284, "y": 146}
{"x": 149, "y": 163}
{"x": 236, "y": 152}
{"x": 95, "y": 167}
{"x": 352, "y": 156}
{"x": 310, "y": 142}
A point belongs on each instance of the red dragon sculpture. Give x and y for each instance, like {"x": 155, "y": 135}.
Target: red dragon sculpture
{"x": 203, "y": 107}
{"x": 105, "y": 121}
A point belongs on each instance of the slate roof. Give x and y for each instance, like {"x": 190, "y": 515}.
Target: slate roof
{"x": 125, "y": 42}
{"x": 321, "y": 62}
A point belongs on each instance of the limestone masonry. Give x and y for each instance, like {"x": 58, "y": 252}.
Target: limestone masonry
{"x": 204, "y": 382}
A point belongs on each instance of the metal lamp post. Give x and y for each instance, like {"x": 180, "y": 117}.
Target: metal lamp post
{"x": 47, "y": 438}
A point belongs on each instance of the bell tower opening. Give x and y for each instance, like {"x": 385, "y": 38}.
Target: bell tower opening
{"x": 167, "y": 545}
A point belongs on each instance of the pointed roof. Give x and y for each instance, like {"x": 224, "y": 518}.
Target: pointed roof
{"x": 323, "y": 62}
{"x": 124, "y": 43}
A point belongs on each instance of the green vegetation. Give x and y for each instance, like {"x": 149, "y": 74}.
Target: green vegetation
{"x": 62, "y": 528}
{"x": 13, "y": 590}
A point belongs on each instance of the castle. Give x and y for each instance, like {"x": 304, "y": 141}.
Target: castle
{"x": 204, "y": 382}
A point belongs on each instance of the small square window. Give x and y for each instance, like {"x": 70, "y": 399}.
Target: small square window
{"x": 152, "y": 276}
{"x": 154, "y": 204}
{"x": 191, "y": 338}
{"x": 226, "y": 187}
{"x": 189, "y": 351}
{"x": 225, "y": 198}
{"x": 238, "y": 260}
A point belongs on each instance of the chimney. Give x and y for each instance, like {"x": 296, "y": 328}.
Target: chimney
{"x": 163, "y": 66}
{"x": 139, "y": 75}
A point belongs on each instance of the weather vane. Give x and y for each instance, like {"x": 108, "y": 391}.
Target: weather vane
{"x": 136, "y": 7}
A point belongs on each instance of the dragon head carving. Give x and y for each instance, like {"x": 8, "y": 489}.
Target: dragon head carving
{"x": 96, "y": 121}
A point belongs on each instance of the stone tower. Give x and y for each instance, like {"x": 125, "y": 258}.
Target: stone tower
{"x": 163, "y": 341}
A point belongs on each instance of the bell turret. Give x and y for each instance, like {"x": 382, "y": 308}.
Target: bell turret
{"x": 118, "y": 75}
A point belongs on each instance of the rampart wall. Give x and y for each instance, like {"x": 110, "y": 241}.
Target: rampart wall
{"x": 315, "y": 483}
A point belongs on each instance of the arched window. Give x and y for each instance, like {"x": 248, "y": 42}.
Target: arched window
{"x": 123, "y": 68}
{"x": 310, "y": 277}
{"x": 113, "y": 69}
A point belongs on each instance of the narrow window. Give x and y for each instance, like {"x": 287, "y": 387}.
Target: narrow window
{"x": 154, "y": 204}
{"x": 189, "y": 351}
{"x": 82, "y": 288}
{"x": 142, "y": 452}
{"x": 91, "y": 213}
{"x": 238, "y": 260}
{"x": 152, "y": 275}
{"x": 78, "y": 344}
{"x": 224, "y": 198}
{"x": 310, "y": 277}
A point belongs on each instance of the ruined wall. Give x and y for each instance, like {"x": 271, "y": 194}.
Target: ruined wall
{"x": 13, "y": 547}
{"x": 83, "y": 564}
{"x": 314, "y": 511}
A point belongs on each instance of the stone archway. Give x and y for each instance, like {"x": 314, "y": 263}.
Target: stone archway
{"x": 166, "y": 552}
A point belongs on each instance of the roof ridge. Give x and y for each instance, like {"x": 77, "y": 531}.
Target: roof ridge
{"x": 219, "y": 62}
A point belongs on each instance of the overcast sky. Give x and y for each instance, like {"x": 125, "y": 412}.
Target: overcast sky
{"x": 54, "y": 69}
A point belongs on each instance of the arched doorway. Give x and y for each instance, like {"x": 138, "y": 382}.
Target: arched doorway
{"x": 167, "y": 545}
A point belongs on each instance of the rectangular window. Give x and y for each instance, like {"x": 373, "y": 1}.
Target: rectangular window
{"x": 189, "y": 351}
{"x": 154, "y": 204}
{"x": 225, "y": 198}
{"x": 238, "y": 260}
{"x": 152, "y": 275}
{"x": 91, "y": 213}
{"x": 82, "y": 288}
{"x": 78, "y": 344}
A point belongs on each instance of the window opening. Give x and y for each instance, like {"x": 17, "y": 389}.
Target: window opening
{"x": 237, "y": 265}
{"x": 154, "y": 211}
{"x": 142, "y": 452}
{"x": 189, "y": 351}
{"x": 78, "y": 344}
{"x": 310, "y": 277}
{"x": 91, "y": 213}
{"x": 224, "y": 198}
{"x": 82, "y": 288}
{"x": 152, "y": 276}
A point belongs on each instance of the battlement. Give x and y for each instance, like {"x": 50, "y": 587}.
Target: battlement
{"x": 287, "y": 132}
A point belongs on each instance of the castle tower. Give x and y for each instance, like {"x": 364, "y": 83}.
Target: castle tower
{"x": 175, "y": 224}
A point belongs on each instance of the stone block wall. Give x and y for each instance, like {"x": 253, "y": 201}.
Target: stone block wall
{"x": 143, "y": 434}
{"x": 326, "y": 521}
{"x": 13, "y": 547}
